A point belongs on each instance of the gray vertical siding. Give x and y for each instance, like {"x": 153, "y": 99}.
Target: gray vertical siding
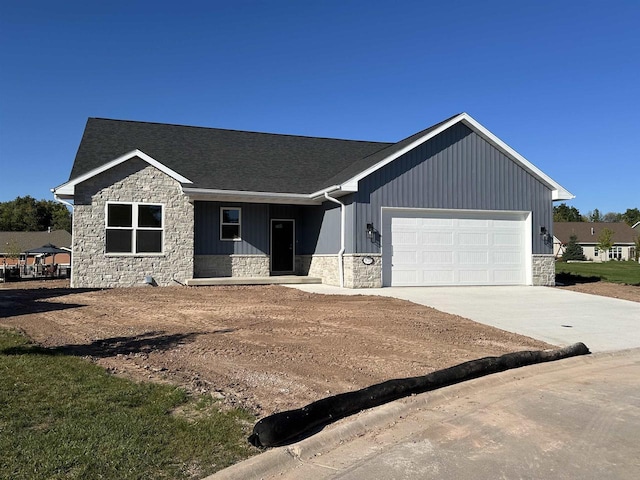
{"x": 255, "y": 229}
{"x": 320, "y": 227}
{"x": 317, "y": 228}
{"x": 457, "y": 169}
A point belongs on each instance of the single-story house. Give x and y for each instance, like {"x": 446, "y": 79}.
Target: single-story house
{"x": 588, "y": 237}
{"x": 14, "y": 248}
{"x": 449, "y": 205}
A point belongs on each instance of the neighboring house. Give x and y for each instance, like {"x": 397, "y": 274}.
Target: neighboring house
{"x": 588, "y": 234}
{"x": 15, "y": 245}
{"x": 450, "y": 205}
{"x": 636, "y": 227}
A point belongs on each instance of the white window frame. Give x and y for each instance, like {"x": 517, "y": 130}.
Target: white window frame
{"x": 134, "y": 229}
{"x": 239, "y": 224}
{"x": 614, "y": 252}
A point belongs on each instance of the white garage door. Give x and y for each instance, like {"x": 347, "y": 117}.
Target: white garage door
{"x": 425, "y": 248}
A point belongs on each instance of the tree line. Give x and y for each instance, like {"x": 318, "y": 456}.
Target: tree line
{"x": 564, "y": 213}
{"x": 26, "y": 214}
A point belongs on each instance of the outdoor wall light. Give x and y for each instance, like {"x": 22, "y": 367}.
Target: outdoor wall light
{"x": 370, "y": 230}
{"x": 543, "y": 230}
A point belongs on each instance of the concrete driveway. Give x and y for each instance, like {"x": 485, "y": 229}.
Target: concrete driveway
{"x": 556, "y": 316}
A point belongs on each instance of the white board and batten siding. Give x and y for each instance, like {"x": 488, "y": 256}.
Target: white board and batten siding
{"x": 444, "y": 247}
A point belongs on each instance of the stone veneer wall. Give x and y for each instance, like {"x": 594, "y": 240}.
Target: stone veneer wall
{"x": 359, "y": 275}
{"x": 356, "y": 273}
{"x": 544, "y": 270}
{"x": 231, "y": 266}
{"x": 322, "y": 266}
{"x": 131, "y": 181}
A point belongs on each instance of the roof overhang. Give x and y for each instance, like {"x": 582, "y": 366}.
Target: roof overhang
{"x": 66, "y": 191}
{"x": 316, "y": 198}
{"x": 558, "y": 192}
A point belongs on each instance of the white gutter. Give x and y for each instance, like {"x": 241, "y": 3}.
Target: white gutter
{"x": 343, "y": 222}
{"x": 73, "y": 232}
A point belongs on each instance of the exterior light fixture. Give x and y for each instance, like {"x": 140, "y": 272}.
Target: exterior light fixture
{"x": 370, "y": 230}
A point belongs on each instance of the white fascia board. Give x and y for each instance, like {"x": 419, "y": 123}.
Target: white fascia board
{"x": 67, "y": 190}
{"x": 558, "y": 192}
{"x": 208, "y": 194}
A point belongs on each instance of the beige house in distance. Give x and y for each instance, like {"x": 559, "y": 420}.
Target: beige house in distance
{"x": 588, "y": 234}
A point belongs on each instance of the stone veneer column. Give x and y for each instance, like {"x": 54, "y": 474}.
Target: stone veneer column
{"x": 544, "y": 270}
{"x": 358, "y": 274}
{"x": 131, "y": 181}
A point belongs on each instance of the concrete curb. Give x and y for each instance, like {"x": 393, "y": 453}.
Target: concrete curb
{"x": 276, "y": 460}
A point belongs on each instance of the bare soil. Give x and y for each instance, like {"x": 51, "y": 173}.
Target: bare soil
{"x": 265, "y": 348}
{"x": 615, "y": 290}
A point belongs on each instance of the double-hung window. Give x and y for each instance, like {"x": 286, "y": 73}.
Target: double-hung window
{"x": 230, "y": 223}
{"x": 134, "y": 228}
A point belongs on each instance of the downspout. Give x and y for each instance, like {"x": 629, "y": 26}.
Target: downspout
{"x": 73, "y": 231}
{"x": 343, "y": 223}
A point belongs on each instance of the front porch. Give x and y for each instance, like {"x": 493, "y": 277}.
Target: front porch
{"x": 274, "y": 280}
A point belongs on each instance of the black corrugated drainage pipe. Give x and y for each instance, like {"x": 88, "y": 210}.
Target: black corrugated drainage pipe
{"x": 294, "y": 425}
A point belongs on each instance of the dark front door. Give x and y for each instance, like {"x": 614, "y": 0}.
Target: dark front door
{"x": 282, "y": 246}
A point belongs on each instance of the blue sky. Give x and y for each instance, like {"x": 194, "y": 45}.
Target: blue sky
{"x": 558, "y": 81}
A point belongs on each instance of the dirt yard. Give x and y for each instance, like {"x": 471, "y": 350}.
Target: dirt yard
{"x": 264, "y": 348}
{"x": 624, "y": 292}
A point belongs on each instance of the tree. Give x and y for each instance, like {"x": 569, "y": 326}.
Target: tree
{"x": 612, "y": 217}
{"x": 564, "y": 213}
{"x": 631, "y": 216}
{"x": 26, "y": 214}
{"x": 605, "y": 240}
{"x": 573, "y": 251}
{"x": 595, "y": 216}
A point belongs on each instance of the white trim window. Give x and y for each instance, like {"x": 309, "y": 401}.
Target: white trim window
{"x": 231, "y": 224}
{"x": 134, "y": 228}
{"x": 615, "y": 253}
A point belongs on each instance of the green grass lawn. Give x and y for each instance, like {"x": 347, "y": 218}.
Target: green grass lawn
{"x": 63, "y": 417}
{"x": 616, "y": 272}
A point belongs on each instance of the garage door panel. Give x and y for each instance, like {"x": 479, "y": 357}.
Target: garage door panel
{"x": 436, "y": 238}
{"x": 406, "y": 277}
{"x": 436, "y": 222}
{"x": 507, "y": 239}
{"x": 477, "y": 248}
{"x": 507, "y": 258}
{"x": 473, "y": 238}
{"x": 472, "y": 223}
{"x": 435, "y": 277}
{"x": 473, "y": 277}
{"x": 405, "y": 257}
{"x": 473, "y": 258}
{"x": 437, "y": 257}
{"x": 402, "y": 238}
{"x": 506, "y": 277}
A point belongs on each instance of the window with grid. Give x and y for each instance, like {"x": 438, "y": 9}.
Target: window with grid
{"x": 230, "y": 223}
{"x": 134, "y": 228}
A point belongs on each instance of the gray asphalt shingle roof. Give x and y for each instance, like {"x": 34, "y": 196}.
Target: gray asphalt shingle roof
{"x": 215, "y": 158}
{"x": 30, "y": 240}
{"x": 588, "y": 232}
